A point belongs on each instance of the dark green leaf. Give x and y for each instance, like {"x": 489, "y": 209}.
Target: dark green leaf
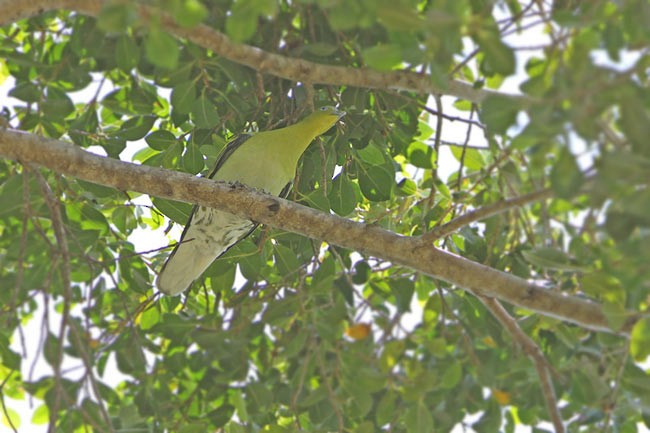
{"x": 418, "y": 418}
{"x": 499, "y": 113}
{"x": 566, "y": 177}
{"x": 183, "y": 97}
{"x": 383, "y": 57}
{"x": 190, "y": 13}
{"x": 160, "y": 139}
{"x": 499, "y": 58}
{"x": 376, "y": 182}
{"x": 116, "y": 17}
{"x": 550, "y": 258}
{"x": 26, "y": 91}
{"x": 204, "y": 113}
{"x": 136, "y": 127}
{"x": 193, "y": 161}
{"x": 161, "y": 49}
{"x": 285, "y": 260}
{"x": 341, "y": 195}
{"x": 174, "y": 210}
{"x": 127, "y": 53}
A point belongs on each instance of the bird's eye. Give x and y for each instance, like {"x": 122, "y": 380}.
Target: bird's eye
{"x": 323, "y": 108}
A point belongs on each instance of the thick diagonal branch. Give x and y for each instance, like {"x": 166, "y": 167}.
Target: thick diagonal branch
{"x": 71, "y": 160}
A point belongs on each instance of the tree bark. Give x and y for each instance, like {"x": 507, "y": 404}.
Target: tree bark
{"x": 415, "y": 253}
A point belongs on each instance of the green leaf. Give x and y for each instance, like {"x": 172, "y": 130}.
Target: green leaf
{"x": 640, "y": 340}
{"x": 190, "y": 13}
{"x": 499, "y": 113}
{"x": 403, "y": 289}
{"x": 242, "y": 21}
{"x": 285, "y": 260}
{"x": 341, "y": 195}
{"x": 149, "y": 318}
{"x": 383, "y": 57}
{"x": 452, "y": 376}
{"x": 136, "y": 127}
{"x": 183, "y": 97}
{"x": 376, "y": 182}
{"x": 386, "y": 408}
{"x": 251, "y": 261}
{"x": 97, "y": 191}
{"x": 362, "y": 272}
{"x": 8, "y": 357}
{"x": 174, "y": 210}
{"x": 372, "y": 154}
{"x": 204, "y": 113}
{"x": 193, "y": 161}
{"x": 222, "y": 275}
{"x": 420, "y": 154}
{"x": 41, "y": 415}
{"x": 551, "y": 258}
{"x": 26, "y": 91}
{"x": 124, "y": 219}
{"x": 635, "y": 122}
{"x": 161, "y": 49}
{"x": 51, "y": 350}
{"x": 10, "y": 418}
{"x": 127, "y": 53}
{"x": 418, "y": 418}
{"x": 399, "y": 16}
{"x": 160, "y": 139}
{"x": 57, "y": 104}
{"x": 566, "y": 177}
{"x": 470, "y": 157}
{"x": 116, "y": 17}
{"x": 499, "y": 58}
{"x": 92, "y": 219}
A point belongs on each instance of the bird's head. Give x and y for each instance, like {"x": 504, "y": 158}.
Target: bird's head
{"x": 323, "y": 118}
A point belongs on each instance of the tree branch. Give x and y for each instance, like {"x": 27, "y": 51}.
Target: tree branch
{"x": 533, "y": 351}
{"x": 485, "y": 212}
{"x": 71, "y": 160}
{"x": 281, "y": 66}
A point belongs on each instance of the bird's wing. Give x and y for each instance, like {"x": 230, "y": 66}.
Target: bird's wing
{"x": 223, "y": 156}
{"x": 228, "y": 151}
{"x": 285, "y": 191}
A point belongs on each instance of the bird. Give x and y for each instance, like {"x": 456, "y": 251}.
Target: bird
{"x": 265, "y": 161}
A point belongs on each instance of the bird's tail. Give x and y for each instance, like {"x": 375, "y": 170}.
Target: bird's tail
{"x": 185, "y": 265}
{"x": 209, "y": 234}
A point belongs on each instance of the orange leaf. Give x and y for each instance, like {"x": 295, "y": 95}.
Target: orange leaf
{"x": 502, "y": 397}
{"x": 358, "y": 331}
{"x": 489, "y": 342}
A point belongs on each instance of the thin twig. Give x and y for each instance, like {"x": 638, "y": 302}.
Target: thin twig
{"x": 485, "y": 212}
{"x": 532, "y": 350}
{"x": 330, "y": 391}
{"x": 2, "y": 401}
{"x": 62, "y": 244}
{"x": 464, "y": 149}
{"x": 54, "y": 206}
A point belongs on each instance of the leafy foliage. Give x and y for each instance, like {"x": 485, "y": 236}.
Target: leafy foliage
{"x": 269, "y": 345}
